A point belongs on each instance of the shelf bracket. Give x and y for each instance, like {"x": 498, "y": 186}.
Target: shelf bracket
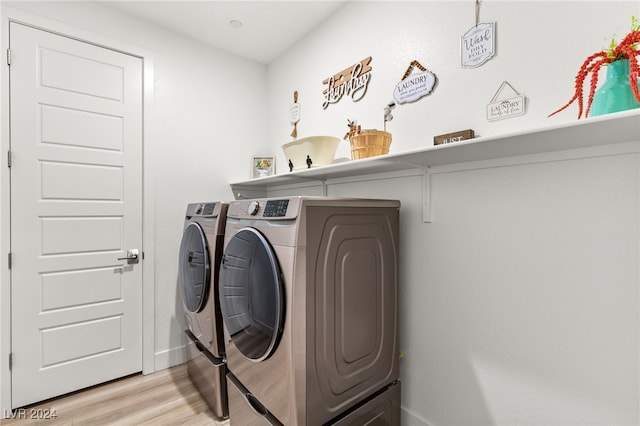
{"x": 426, "y": 195}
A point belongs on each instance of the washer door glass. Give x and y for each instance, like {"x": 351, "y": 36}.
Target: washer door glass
{"x": 194, "y": 269}
{"x": 251, "y": 294}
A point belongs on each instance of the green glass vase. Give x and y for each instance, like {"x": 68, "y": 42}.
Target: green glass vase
{"x": 615, "y": 94}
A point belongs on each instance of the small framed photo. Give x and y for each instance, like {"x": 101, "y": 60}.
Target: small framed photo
{"x": 263, "y": 166}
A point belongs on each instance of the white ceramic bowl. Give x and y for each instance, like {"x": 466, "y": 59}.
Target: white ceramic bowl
{"x": 320, "y": 149}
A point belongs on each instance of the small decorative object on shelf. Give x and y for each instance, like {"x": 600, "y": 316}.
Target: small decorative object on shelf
{"x": 621, "y": 90}
{"x": 387, "y": 113}
{"x": 367, "y": 143}
{"x": 262, "y": 166}
{"x": 453, "y": 137}
{"x": 310, "y": 152}
{"x": 354, "y": 129}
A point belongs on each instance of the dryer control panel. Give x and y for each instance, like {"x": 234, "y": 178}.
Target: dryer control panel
{"x": 209, "y": 209}
{"x": 205, "y": 209}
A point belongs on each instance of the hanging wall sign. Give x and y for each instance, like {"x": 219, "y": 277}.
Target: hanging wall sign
{"x": 352, "y": 81}
{"x": 478, "y": 44}
{"x": 414, "y": 86}
{"x": 294, "y": 114}
{"x": 505, "y": 107}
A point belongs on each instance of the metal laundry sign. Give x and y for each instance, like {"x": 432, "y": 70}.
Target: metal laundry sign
{"x": 414, "y": 86}
{"x": 478, "y": 45}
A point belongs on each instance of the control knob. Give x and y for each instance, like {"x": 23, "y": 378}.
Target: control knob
{"x": 254, "y": 206}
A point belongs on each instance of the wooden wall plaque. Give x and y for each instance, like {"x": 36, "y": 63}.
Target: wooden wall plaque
{"x": 453, "y": 137}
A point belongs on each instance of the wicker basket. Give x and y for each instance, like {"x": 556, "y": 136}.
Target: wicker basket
{"x": 369, "y": 143}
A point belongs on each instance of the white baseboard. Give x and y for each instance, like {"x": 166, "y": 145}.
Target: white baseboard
{"x": 170, "y": 358}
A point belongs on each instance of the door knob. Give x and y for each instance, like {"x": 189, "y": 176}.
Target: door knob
{"x": 132, "y": 257}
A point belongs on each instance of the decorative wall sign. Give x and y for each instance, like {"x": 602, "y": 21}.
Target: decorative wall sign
{"x": 453, "y": 137}
{"x": 414, "y": 86}
{"x": 478, "y": 44}
{"x": 501, "y": 107}
{"x": 352, "y": 81}
{"x": 294, "y": 114}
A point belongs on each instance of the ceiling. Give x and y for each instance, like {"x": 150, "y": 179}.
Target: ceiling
{"x": 268, "y": 27}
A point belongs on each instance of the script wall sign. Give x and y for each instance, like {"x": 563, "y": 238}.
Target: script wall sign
{"x": 352, "y": 81}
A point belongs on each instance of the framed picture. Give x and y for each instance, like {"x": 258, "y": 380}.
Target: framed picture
{"x": 263, "y": 166}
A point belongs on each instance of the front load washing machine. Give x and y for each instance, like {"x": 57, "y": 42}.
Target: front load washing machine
{"x": 308, "y": 295}
{"x": 198, "y": 270}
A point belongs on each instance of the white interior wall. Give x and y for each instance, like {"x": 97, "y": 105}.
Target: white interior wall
{"x": 520, "y": 300}
{"x": 539, "y": 49}
{"x": 207, "y": 115}
{"x": 488, "y": 337}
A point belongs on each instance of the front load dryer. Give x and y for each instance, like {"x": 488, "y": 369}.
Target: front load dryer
{"x": 198, "y": 269}
{"x": 308, "y": 295}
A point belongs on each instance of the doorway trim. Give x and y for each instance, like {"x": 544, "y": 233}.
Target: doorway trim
{"x": 7, "y": 15}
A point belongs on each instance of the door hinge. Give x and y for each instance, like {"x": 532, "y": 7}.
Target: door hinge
{"x": 10, "y": 360}
{"x": 8, "y": 56}
{"x": 10, "y": 260}
{"x": 8, "y": 158}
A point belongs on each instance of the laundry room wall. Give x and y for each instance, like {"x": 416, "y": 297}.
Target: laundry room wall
{"x": 540, "y": 46}
{"x": 200, "y": 140}
{"x": 519, "y": 301}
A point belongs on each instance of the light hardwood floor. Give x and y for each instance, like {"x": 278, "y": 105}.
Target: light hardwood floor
{"x": 166, "y": 397}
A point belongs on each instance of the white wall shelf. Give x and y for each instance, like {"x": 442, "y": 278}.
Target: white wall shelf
{"x": 595, "y": 131}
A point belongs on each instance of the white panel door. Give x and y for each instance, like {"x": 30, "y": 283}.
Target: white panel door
{"x": 76, "y": 208}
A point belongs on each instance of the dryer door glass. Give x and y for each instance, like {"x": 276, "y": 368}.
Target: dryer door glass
{"x": 194, "y": 269}
{"x": 251, "y": 294}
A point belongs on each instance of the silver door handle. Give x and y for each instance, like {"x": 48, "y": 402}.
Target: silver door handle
{"x": 132, "y": 257}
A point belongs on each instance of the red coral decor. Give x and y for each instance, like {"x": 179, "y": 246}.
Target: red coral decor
{"x": 626, "y": 49}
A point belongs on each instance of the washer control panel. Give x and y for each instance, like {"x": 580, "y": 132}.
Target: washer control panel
{"x": 265, "y": 208}
{"x": 276, "y": 208}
